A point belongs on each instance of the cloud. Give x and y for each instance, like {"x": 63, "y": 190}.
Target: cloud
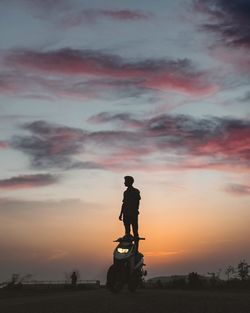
{"x": 229, "y": 19}
{"x": 89, "y": 16}
{"x": 125, "y": 14}
{"x": 238, "y": 189}
{"x": 57, "y": 255}
{"x": 54, "y": 146}
{"x": 125, "y": 119}
{"x": 3, "y": 144}
{"x": 50, "y": 145}
{"x": 204, "y": 143}
{"x": 163, "y": 253}
{"x": 5, "y": 85}
{"x": 69, "y": 14}
{"x": 85, "y": 165}
{"x": 246, "y": 97}
{"x": 14, "y": 206}
{"x": 19, "y": 83}
{"x": 43, "y": 87}
{"x": 162, "y": 142}
{"x": 28, "y": 181}
{"x": 109, "y": 71}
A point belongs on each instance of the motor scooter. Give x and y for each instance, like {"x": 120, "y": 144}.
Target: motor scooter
{"x": 127, "y": 267}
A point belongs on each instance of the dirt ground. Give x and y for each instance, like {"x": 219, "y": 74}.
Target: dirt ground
{"x": 143, "y": 301}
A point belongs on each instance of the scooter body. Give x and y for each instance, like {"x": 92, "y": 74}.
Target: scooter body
{"x": 127, "y": 267}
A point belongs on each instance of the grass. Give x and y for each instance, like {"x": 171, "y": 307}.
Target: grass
{"x": 143, "y": 301}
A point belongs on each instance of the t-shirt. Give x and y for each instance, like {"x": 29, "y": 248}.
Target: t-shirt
{"x": 131, "y": 200}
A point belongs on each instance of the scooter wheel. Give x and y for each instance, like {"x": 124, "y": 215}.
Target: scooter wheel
{"x": 114, "y": 284}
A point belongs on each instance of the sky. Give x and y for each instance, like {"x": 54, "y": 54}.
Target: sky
{"x": 91, "y": 91}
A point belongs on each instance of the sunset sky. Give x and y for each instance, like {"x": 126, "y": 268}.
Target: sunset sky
{"x": 91, "y": 91}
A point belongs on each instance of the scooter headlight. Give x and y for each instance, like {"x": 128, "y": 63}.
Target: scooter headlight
{"x": 122, "y": 250}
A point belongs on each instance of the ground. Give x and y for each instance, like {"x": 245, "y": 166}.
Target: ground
{"x": 143, "y": 301}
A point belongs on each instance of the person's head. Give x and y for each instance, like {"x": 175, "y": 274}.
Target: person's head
{"x": 128, "y": 181}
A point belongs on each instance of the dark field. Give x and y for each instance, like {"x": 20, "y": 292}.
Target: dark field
{"x": 143, "y": 301}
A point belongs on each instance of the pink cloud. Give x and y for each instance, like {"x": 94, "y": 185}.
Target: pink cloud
{"x": 4, "y": 144}
{"x": 159, "y": 74}
{"x": 67, "y": 14}
{"x": 234, "y": 143}
{"x": 238, "y": 58}
{"x": 197, "y": 85}
{"x": 86, "y": 16}
{"x": 238, "y": 189}
{"x": 221, "y": 144}
{"x": 125, "y": 14}
{"x": 170, "y": 142}
{"x": 28, "y": 181}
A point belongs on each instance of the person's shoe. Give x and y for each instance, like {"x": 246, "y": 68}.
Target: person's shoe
{"x": 128, "y": 237}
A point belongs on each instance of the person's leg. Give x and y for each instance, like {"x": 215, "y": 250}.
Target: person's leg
{"x": 135, "y": 232}
{"x": 134, "y": 222}
{"x": 126, "y": 222}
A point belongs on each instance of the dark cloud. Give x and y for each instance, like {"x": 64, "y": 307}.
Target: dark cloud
{"x": 124, "y": 119}
{"x": 21, "y": 84}
{"x": 50, "y": 145}
{"x": 238, "y": 189}
{"x": 246, "y": 97}
{"x": 70, "y": 61}
{"x": 115, "y": 88}
{"x": 125, "y": 14}
{"x": 210, "y": 142}
{"x": 200, "y": 136}
{"x": 88, "y": 165}
{"x": 229, "y": 19}
{"x": 222, "y": 141}
{"x": 38, "y": 86}
{"x": 109, "y": 72}
{"x": 28, "y": 181}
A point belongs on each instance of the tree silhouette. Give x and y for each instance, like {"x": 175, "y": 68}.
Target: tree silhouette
{"x": 230, "y": 271}
{"x": 194, "y": 280}
{"x": 243, "y": 270}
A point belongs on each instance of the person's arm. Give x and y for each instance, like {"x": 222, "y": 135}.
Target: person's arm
{"x": 138, "y": 199}
{"x": 122, "y": 209}
{"x": 121, "y": 214}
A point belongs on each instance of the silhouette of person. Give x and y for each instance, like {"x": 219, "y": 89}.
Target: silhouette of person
{"x": 73, "y": 278}
{"x": 130, "y": 207}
